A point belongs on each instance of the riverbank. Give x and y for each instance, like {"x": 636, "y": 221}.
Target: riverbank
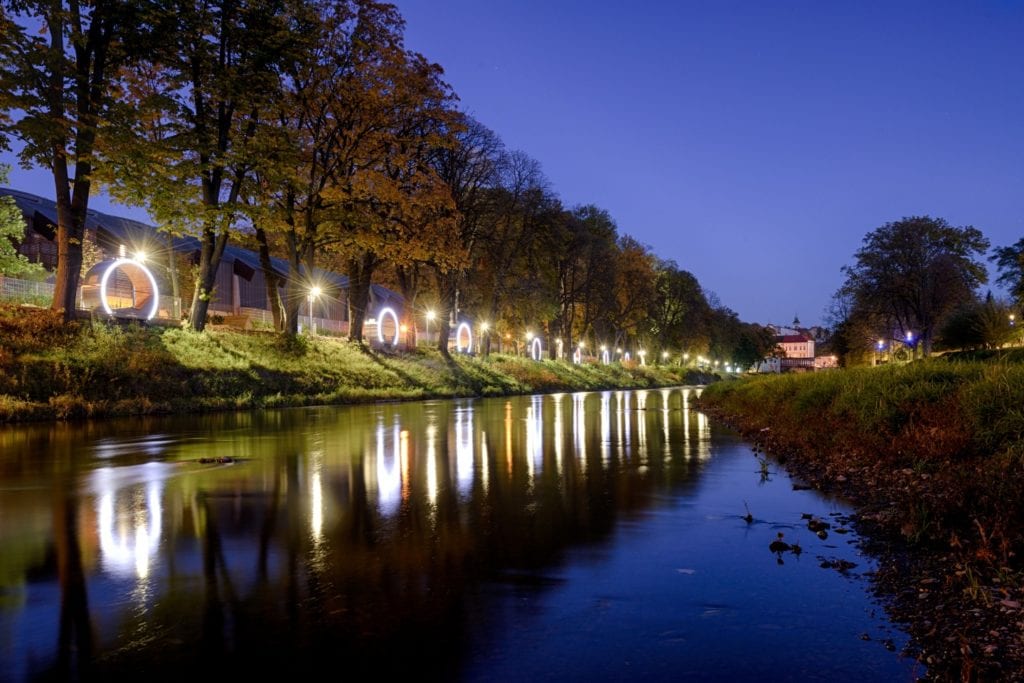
{"x": 932, "y": 457}
{"x": 53, "y": 372}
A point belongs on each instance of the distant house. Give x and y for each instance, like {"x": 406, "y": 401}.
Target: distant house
{"x": 795, "y": 345}
{"x": 240, "y": 291}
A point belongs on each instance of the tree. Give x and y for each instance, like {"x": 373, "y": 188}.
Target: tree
{"x": 12, "y": 232}
{"x": 61, "y": 80}
{"x": 978, "y": 325}
{"x": 912, "y": 273}
{"x": 678, "y": 310}
{"x": 1010, "y": 262}
{"x": 471, "y": 169}
{"x": 191, "y": 113}
{"x": 635, "y": 280}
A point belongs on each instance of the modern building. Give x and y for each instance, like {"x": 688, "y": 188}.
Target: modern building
{"x": 240, "y": 292}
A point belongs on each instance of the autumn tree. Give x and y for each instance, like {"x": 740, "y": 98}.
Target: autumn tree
{"x": 404, "y": 213}
{"x": 914, "y": 272}
{"x": 58, "y": 62}
{"x": 634, "y": 289}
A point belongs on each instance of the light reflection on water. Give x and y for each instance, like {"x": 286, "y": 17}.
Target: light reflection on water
{"x": 360, "y": 531}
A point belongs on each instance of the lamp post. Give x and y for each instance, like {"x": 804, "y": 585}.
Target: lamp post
{"x": 314, "y": 292}
{"x": 431, "y": 314}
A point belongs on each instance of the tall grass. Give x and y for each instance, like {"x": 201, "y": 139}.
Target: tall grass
{"x": 937, "y": 444}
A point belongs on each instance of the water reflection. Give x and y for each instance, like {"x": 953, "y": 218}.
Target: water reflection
{"x": 275, "y": 541}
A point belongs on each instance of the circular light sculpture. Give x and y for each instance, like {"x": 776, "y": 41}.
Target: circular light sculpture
{"x": 139, "y": 276}
{"x": 558, "y": 344}
{"x": 535, "y": 349}
{"x": 577, "y": 355}
{"x": 459, "y": 348}
{"x": 604, "y": 356}
{"x": 380, "y": 326}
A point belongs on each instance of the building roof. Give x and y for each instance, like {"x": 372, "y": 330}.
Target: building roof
{"x": 792, "y": 339}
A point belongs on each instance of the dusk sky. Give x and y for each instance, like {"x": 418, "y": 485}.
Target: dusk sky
{"x": 754, "y": 143}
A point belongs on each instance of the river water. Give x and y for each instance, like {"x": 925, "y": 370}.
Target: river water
{"x": 591, "y": 536}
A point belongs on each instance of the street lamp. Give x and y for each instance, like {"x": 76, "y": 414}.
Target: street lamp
{"x": 431, "y": 314}
{"x": 314, "y": 292}
{"x": 664, "y": 356}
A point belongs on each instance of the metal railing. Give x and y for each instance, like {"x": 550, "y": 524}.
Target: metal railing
{"x": 19, "y": 291}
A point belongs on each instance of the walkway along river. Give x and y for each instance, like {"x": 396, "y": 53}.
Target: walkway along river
{"x": 596, "y": 536}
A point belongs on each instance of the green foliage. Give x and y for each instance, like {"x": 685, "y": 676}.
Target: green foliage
{"x": 909, "y": 276}
{"x": 1010, "y": 263}
{"x": 978, "y": 325}
{"x": 12, "y": 232}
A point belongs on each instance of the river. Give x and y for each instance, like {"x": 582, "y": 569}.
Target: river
{"x": 615, "y": 535}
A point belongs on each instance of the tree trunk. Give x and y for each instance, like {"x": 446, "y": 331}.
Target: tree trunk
{"x": 71, "y": 212}
{"x": 409, "y": 279}
{"x": 75, "y": 638}
{"x": 172, "y": 274}
{"x": 447, "y": 288}
{"x": 209, "y": 261}
{"x": 271, "y": 280}
{"x": 360, "y": 273}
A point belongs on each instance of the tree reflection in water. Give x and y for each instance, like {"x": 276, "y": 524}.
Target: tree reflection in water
{"x": 358, "y": 536}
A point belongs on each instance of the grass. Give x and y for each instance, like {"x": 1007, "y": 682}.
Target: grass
{"x": 93, "y": 369}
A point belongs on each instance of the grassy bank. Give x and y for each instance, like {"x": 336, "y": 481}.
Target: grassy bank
{"x": 932, "y": 454}
{"x": 49, "y": 371}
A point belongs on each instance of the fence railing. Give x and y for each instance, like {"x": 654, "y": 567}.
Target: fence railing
{"x": 41, "y": 294}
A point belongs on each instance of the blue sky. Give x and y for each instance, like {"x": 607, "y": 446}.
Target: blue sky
{"x": 754, "y": 143}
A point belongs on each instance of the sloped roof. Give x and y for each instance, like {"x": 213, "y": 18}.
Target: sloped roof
{"x": 792, "y": 339}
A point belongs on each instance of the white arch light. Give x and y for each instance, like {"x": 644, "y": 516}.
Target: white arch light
{"x": 577, "y": 356}
{"x": 535, "y": 349}
{"x": 119, "y": 263}
{"x": 380, "y": 326}
{"x": 459, "y": 348}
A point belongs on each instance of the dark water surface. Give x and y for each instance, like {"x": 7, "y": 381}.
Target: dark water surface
{"x": 593, "y": 536}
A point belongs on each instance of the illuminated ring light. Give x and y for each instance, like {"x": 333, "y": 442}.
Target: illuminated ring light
{"x": 117, "y": 265}
{"x": 463, "y": 327}
{"x": 535, "y": 349}
{"x": 577, "y": 356}
{"x": 380, "y": 326}
{"x": 558, "y": 353}
{"x": 605, "y": 358}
